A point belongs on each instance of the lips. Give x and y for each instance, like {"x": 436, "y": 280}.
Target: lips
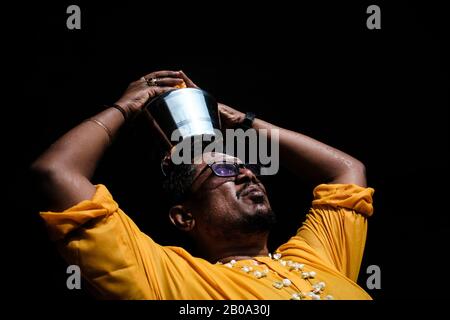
{"x": 252, "y": 190}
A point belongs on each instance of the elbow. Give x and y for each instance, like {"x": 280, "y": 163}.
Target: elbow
{"x": 39, "y": 169}
{"x": 357, "y": 173}
{"x": 47, "y": 179}
{"x": 354, "y": 173}
{"x": 362, "y": 172}
{"x": 359, "y": 168}
{"x": 42, "y": 180}
{"x": 43, "y": 171}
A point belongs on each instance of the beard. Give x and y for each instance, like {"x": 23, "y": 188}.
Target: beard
{"x": 260, "y": 221}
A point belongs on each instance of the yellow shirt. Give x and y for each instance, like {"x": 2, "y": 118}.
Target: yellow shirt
{"x": 120, "y": 262}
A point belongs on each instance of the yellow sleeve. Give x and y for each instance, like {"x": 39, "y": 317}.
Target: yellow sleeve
{"x": 336, "y": 225}
{"x": 115, "y": 257}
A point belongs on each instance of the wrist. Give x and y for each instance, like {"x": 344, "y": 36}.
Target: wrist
{"x": 129, "y": 110}
{"x": 125, "y": 113}
{"x": 247, "y": 120}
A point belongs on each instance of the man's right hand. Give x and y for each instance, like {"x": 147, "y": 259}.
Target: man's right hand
{"x": 144, "y": 89}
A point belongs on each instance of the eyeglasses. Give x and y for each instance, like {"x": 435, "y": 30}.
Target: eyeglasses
{"x": 228, "y": 169}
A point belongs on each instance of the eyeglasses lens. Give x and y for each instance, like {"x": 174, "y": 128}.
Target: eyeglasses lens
{"x": 224, "y": 169}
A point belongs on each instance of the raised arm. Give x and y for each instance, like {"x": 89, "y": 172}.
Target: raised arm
{"x": 301, "y": 154}
{"x": 64, "y": 171}
{"x": 306, "y": 156}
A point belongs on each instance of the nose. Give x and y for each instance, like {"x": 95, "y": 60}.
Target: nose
{"x": 246, "y": 175}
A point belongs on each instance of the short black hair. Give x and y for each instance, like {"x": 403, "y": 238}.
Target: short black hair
{"x": 179, "y": 177}
{"x": 178, "y": 181}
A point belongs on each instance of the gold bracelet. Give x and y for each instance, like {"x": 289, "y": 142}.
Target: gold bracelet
{"x": 101, "y": 124}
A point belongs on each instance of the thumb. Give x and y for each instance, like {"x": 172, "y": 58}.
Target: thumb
{"x": 189, "y": 82}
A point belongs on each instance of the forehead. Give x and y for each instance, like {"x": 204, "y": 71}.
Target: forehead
{"x": 211, "y": 157}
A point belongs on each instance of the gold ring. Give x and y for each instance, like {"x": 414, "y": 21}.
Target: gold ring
{"x": 151, "y": 82}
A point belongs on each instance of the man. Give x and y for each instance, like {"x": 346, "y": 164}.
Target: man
{"x": 221, "y": 205}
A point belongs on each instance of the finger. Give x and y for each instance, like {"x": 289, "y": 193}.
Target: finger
{"x": 163, "y": 74}
{"x": 168, "y": 82}
{"x": 224, "y": 109}
{"x": 161, "y": 90}
{"x": 189, "y": 82}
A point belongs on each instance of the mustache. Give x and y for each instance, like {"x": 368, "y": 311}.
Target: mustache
{"x": 246, "y": 186}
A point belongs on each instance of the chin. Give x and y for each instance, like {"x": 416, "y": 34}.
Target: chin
{"x": 258, "y": 208}
{"x": 260, "y": 218}
{"x": 262, "y": 208}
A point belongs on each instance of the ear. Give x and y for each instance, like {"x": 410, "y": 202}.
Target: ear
{"x": 181, "y": 218}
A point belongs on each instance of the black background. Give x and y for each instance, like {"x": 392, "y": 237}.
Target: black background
{"x": 380, "y": 95}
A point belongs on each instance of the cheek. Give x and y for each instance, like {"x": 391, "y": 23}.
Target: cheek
{"x": 222, "y": 200}
{"x": 228, "y": 192}
{"x": 224, "y": 197}
{"x": 215, "y": 211}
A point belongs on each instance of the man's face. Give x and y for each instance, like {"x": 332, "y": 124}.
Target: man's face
{"x": 229, "y": 204}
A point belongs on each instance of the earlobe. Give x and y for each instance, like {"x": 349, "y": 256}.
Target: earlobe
{"x": 181, "y": 218}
